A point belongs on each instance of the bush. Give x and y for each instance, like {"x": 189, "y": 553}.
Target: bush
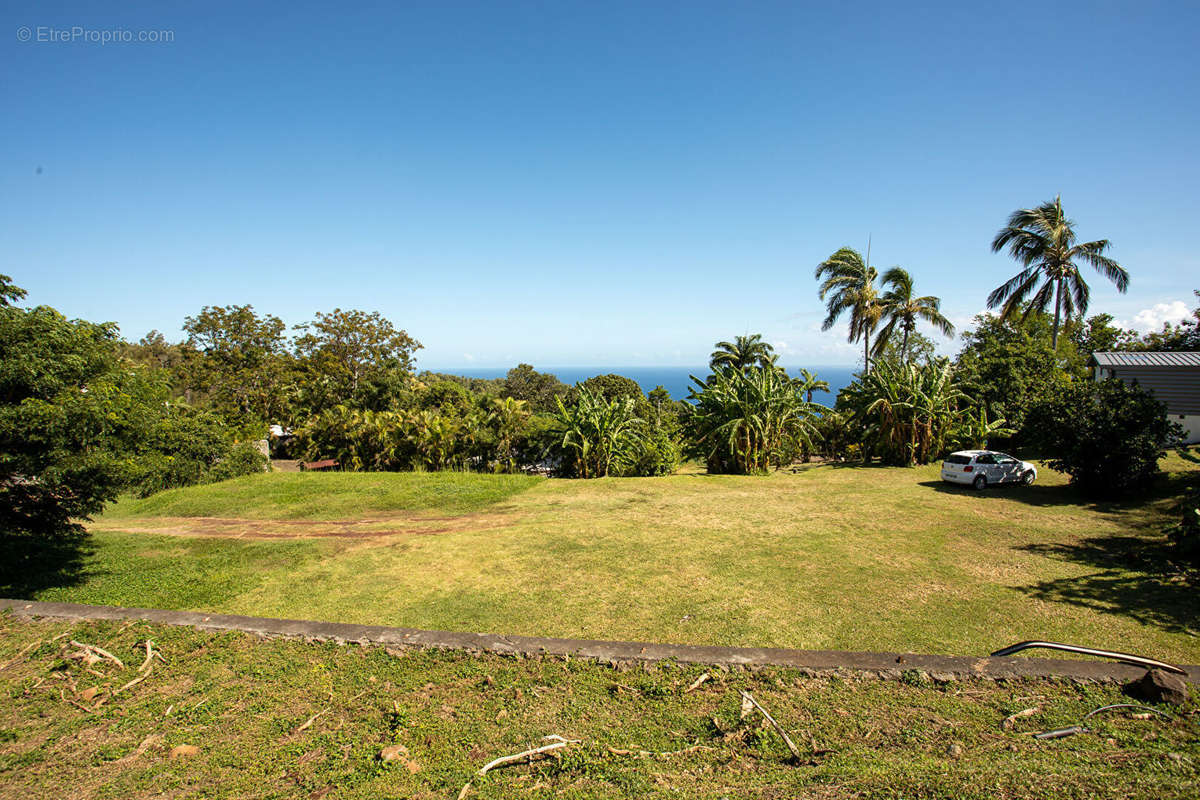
{"x": 1106, "y": 435}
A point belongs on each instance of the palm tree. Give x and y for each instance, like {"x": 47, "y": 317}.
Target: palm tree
{"x": 808, "y": 382}
{"x": 849, "y": 285}
{"x": 1042, "y": 239}
{"x": 742, "y": 352}
{"x": 902, "y": 310}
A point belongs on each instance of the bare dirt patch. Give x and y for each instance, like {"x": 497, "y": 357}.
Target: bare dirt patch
{"x": 373, "y": 528}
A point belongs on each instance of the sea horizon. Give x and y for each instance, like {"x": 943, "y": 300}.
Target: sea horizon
{"x": 676, "y": 380}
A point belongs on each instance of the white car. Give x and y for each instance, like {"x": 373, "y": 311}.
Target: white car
{"x": 983, "y": 468}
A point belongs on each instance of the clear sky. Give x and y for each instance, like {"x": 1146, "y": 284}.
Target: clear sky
{"x": 584, "y": 183}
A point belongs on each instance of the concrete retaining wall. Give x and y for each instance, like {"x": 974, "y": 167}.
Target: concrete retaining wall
{"x": 888, "y": 665}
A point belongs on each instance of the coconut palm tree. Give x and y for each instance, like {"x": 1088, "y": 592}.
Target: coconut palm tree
{"x": 743, "y": 352}
{"x": 848, "y": 287}
{"x": 901, "y": 310}
{"x": 1042, "y": 239}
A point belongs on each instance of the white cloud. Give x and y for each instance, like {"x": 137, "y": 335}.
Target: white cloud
{"x": 1152, "y": 319}
{"x": 468, "y": 357}
{"x": 780, "y": 346}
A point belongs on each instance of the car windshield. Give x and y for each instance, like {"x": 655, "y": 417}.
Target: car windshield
{"x": 1003, "y": 458}
{"x": 957, "y": 459}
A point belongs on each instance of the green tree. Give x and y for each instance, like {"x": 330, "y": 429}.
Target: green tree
{"x": 237, "y": 362}
{"x": 600, "y": 435}
{"x": 1182, "y": 337}
{"x": 1043, "y": 242}
{"x": 345, "y": 354}
{"x": 611, "y": 387}
{"x": 1099, "y": 335}
{"x": 808, "y": 384}
{"x": 746, "y": 421}
{"x": 1108, "y": 436}
{"x": 901, "y": 309}
{"x": 743, "y": 353}
{"x": 9, "y": 293}
{"x": 1009, "y": 364}
{"x": 907, "y": 413}
{"x": 848, "y": 288}
{"x": 539, "y": 389}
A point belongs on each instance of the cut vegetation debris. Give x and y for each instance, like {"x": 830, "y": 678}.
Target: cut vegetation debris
{"x": 230, "y": 715}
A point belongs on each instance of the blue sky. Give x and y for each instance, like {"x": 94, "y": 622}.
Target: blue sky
{"x": 585, "y": 183}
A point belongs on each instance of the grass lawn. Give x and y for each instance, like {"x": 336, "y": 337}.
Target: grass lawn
{"x": 273, "y": 719}
{"x": 830, "y": 557}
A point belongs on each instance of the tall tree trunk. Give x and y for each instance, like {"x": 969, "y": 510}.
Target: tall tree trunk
{"x": 1057, "y": 314}
{"x": 904, "y": 347}
{"x": 867, "y": 350}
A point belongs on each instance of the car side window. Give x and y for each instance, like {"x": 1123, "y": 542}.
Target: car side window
{"x": 986, "y": 459}
{"x": 1005, "y": 459}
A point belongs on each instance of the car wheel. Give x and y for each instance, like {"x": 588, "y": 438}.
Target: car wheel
{"x": 980, "y": 482}
{"x": 1027, "y": 478}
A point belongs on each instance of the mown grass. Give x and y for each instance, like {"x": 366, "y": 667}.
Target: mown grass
{"x": 327, "y": 495}
{"x": 289, "y": 719}
{"x": 828, "y": 558}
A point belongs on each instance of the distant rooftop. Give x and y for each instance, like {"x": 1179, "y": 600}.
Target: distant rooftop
{"x": 1152, "y": 359}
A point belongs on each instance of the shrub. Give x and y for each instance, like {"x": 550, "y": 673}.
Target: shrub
{"x": 745, "y": 421}
{"x": 1106, "y": 435}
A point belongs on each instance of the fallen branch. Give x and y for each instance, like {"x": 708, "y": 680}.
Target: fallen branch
{"x": 617, "y": 751}
{"x": 133, "y": 682}
{"x": 558, "y": 743}
{"x": 1011, "y": 718}
{"x": 696, "y": 683}
{"x": 786, "y": 739}
{"x": 308, "y": 722}
{"x": 19, "y": 654}
{"x": 99, "y": 651}
{"x": 150, "y": 654}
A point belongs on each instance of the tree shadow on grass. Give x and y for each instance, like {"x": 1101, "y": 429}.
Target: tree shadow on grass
{"x": 1164, "y": 487}
{"x": 32, "y": 564}
{"x": 1135, "y": 577}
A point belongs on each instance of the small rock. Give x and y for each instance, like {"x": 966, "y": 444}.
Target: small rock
{"x": 1159, "y": 687}
{"x": 954, "y": 750}
{"x": 184, "y": 750}
{"x": 393, "y": 752}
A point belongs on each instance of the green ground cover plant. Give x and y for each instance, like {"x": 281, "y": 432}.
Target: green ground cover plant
{"x": 229, "y": 715}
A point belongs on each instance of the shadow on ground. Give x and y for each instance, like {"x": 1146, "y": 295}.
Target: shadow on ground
{"x": 31, "y": 564}
{"x": 1134, "y": 577}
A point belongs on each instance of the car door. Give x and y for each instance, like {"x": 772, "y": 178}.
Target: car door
{"x": 1007, "y": 468}
{"x": 986, "y": 464}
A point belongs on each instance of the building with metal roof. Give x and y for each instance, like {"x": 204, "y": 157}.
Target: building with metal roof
{"x": 1173, "y": 378}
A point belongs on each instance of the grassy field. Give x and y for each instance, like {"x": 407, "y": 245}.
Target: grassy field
{"x": 829, "y": 557}
{"x": 227, "y": 715}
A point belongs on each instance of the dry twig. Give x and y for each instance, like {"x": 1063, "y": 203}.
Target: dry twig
{"x": 786, "y": 739}
{"x": 1011, "y": 718}
{"x": 99, "y": 651}
{"x": 558, "y": 743}
{"x": 696, "y": 683}
{"x": 20, "y": 654}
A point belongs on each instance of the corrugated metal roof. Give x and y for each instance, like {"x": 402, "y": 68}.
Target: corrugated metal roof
{"x": 1152, "y": 359}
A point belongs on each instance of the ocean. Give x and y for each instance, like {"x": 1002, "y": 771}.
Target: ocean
{"x": 674, "y": 379}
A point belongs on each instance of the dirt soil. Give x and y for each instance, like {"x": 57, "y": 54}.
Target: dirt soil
{"x": 373, "y": 528}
